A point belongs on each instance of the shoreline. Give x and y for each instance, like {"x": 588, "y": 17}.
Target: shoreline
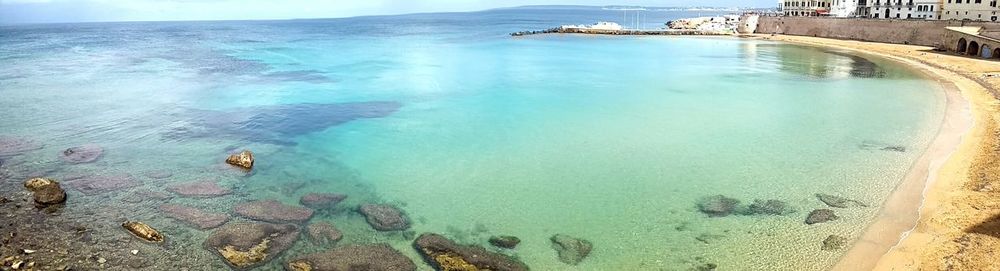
{"x": 899, "y": 236}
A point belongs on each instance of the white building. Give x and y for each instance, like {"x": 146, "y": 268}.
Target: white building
{"x": 597, "y": 26}
{"x": 906, "y": 9}
{"x": 972, "y": 10}
{"x": 806, "y": 8}
{"x": 844, "y": 8}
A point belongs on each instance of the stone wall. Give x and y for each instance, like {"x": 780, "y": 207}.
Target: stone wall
{"x": 918, "y": 32}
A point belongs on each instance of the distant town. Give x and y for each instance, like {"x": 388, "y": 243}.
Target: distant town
{"x": 967, "y": 10}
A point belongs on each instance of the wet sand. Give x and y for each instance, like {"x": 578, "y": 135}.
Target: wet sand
{"x": 945, "y": 215}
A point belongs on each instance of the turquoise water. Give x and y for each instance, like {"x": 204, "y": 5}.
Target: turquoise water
{"x": 473, "y": 133}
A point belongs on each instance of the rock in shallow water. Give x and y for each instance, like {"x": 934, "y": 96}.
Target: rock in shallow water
{"x": 247, "y": 245}
{"x": 445, "y": 254}
{"x": 505, "y": 241}
{"x": 571, "y": 250}
{"x": 820, "y": 216}
{"x": 321, "y": 200}
{"x": 839, "y": 202}
{"x": 834, "y": 242}
{"x": 143, "y": 231}
{"x": 193, "y": 216}
{"x": 769, "y": 207}
{"x": 243, "y": 159}
{"x": 376, "y": 257}
{"x": 385, "y": 217}
{"x": 92, "y": 185}
{"x": 718, "y": 205}
{"x": 323, "y": 233}
{"x": 46, "y": 191}
{"x": 82, "y": 154}
{"x": 199, "y": 189}
{"x": 274, "y": 211}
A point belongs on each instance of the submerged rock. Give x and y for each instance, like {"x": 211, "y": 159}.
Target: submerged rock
{"x": 159, "y": 174}
{"x": 321, "y": 200}
{"x": 146, "y": 195}
{"x": 274, "y": 211}
{"x": 376, "y": 257}
{"x": 385, "y": 217}
{"x": 193, "y": 216}
{"x": 834, "y": 242}
{"x": 247, "y": 245}
{"x": 445, "y": 254}
{"x": 199, "y": 189}
{"x": 839, "y": 202}
{"x": 718, "y": 205}
{"x": 46, "y": 191}
{"x": 243, "y": 159}
{"x": 505, "y": 241}
{"x": 571, "y": 250}
{"x": 82, "y": 154}
{"x": 323, "y": 233}
{"x": 820, "y": 216}
{"x": 769, "y": 207}
{"x": 895, "y": 148}
{"x": 92, "y": 185}
{"x": 143, "y": 231}
{"x": 12, "y": 146}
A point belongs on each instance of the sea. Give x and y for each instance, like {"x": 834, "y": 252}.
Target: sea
{"x": 663, "y": 152}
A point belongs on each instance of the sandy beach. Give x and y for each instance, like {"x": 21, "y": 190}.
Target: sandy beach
{"x": 945, "y": 215}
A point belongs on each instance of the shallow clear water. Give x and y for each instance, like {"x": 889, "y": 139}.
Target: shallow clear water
{"x": 474, "y": 133}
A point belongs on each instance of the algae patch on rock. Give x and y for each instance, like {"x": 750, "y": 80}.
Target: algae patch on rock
{"x": 143, "y": 231}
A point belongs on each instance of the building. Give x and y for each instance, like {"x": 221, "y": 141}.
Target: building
{"x": 806, "y": 8}
{"x": 972, "y": 10}
{"x": 844, "y": 8}
{"x": 907, "y": 9}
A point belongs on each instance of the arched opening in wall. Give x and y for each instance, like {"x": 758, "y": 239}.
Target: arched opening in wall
{"x": 996, "y": 53}
{"x": 973, "y": 48}
{"x": 985, "y": 52}
{"x": 961, "y": 45}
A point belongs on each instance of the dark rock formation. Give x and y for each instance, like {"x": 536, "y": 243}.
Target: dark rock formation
{"x": 245, "y": 246}
{"x": 92, "y": 185}
{"x": 718, "y": 205}
{"x": 46, "y": 191}
{"x": 820, "y": 216}
{"x": 321, "y": 200}
{"x": 194, "y": 217}
{"x": 839, "y": 202}
{"x": 143, "y": 231}
{"x": 505, "y": 241}
{"x": 894, "y": 148}
{"x": 82, "y": 154}
{"x": 769, "y": 207}
{"x": 11, "y": 146}
{"x": 385, "y": 217}
{"x": 274, "y": 211}
{"x": 323, "y": 233}
{"x": 444, "y": 254}
{"x": 571, "y": 250}
{"x": 199, "y": 189}
{"x": 376, "y": 257}
{"x": 243, "y": 159}
{"x": 834, "y": 242}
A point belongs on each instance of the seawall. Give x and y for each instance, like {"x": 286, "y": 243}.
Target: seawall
{"x": 916, "y": 32}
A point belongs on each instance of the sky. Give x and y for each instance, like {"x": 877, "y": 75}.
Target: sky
{"x": 50, "y": 11}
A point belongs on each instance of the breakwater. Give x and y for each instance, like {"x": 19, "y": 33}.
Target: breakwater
{"x": 591, "y": 31}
